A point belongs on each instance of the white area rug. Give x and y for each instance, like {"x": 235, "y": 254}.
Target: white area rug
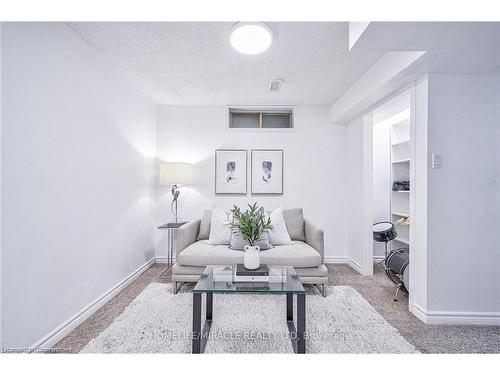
{"x": 159, "y": 322}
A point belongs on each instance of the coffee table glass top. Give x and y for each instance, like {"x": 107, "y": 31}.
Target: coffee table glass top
{"x": 219, "y": 279}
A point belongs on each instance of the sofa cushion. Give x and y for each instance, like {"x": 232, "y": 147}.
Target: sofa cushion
{"x": 201, "y": 254}
{"x": 204, "y": 231}
{"x": 298, "y": 254}
{"x": 279, "y": 234}
{"x": 220, "y": 227}
{"x": 294, "y": 220}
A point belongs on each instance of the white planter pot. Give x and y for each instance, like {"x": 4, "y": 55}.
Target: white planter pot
{"x": 252, "y": 257}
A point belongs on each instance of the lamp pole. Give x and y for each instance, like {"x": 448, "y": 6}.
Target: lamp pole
{"x": 175, "y": 194}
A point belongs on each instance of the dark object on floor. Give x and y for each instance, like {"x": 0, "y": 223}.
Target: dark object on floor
{"x": 401, "y": 186}
{"x": 397, "y": 270}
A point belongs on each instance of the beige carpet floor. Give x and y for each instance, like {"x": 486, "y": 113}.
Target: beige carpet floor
{"x": 377, "y": 290}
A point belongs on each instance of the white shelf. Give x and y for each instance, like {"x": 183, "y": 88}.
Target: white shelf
{"x": 400, "y": 131}
{"x": 403, "y": 142}
{"x": 400, "y": 191}
{"x": 400, "y": 214}
{"x": 403, "y": 122}
{"x": 401, "y": 161}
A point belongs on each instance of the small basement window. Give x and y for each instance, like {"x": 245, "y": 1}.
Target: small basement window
{"x": 240, "y": 118}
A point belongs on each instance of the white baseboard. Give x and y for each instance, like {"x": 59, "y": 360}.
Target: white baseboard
{"x": 355, "y": 265}
{"x": 456, "y": 317}
{"x": 463, "y": 318}
{"x": 336, "y": 260}
{"x": 343, "y": 260}
{"x": 65, "y": 328}
{"x": 347, "y": 260}
{"x": 419, "y": 312}
{"x": 163, "y": 260}
{"x": 351, "y": 262}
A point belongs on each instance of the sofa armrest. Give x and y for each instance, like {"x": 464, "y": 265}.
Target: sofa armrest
{"x": 186, "y": 235}
{"x": 315, "y": 238}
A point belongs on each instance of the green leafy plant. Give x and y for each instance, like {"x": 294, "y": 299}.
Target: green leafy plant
{"x": 251, "y": 224}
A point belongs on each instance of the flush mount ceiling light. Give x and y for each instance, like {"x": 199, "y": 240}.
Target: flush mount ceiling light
{"x": 251, "y": 38}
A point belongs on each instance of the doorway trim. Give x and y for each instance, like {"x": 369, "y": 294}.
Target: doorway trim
{"x": 368, "y": 257}
{"x": 367, "y": 221}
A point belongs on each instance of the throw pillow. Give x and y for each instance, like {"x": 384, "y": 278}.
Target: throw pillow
{"x": 238, "y": 242}
{"x": 279, "y": 235}
{"x": 220, "y": 228}
{"x": 294, "y": 220}
{"x": 204, "y": 231}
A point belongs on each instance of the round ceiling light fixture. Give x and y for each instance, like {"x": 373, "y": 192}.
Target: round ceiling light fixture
{"x": 251, "y": 38}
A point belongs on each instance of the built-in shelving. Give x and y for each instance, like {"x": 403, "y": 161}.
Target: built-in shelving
{"x": 400, "y": 171}
{"x": 400, "y": 132}
{"x": 404, "y": 142}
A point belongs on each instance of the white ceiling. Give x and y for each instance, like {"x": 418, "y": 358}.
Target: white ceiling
{"x": 451, "y": 47}
{"x": 193, "y": 63}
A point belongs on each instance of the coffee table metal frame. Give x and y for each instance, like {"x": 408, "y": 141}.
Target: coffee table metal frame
{"x": 206, "y": 285}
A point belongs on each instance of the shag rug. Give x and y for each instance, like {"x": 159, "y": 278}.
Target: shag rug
{"x": 158, "y": 321}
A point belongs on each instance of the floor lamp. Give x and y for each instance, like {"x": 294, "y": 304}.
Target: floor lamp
{"x": 175, "y": 175}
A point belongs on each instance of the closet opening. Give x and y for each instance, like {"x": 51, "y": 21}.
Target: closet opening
{"x": 392, "y": 190}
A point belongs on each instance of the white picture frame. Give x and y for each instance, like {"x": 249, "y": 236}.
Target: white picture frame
{"x": 267, "y": 171}
{"x": 231, "y": 171}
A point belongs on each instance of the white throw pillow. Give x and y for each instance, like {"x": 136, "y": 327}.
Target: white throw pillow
{"x": 220, "y": 228}
{"x": 279, "y": 235}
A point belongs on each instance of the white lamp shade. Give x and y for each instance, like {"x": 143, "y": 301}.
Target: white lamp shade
{"x": 176, "y": 174}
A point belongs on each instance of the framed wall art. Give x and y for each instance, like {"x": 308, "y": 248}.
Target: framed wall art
{"x": 267, "y": 171}
{"x": 230, "y": 171}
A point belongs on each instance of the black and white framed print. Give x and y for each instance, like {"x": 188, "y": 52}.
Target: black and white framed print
{"x": 267, "y": 171}
{"x": 230, "y": 171}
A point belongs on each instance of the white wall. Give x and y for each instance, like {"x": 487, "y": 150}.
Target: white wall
{"x": 463, "y": 197}
{"x": 355, "y": 201}
{"x": 314, "y": 165}
{"x": 1, "y": 333}
{"x": 418, "y": 207}
{"x": 360, "y": 209}
{"x": 78, "y": 143}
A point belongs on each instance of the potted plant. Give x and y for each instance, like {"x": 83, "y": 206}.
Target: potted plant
{"x": 251, "y": 225}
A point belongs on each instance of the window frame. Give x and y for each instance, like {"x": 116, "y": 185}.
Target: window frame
{"x": 292, "y": 110}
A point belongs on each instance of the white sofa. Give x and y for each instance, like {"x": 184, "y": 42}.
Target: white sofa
{"x": 306, "y": 254}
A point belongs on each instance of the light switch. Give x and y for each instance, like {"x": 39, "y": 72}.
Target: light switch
{"x": 436, "y": 161}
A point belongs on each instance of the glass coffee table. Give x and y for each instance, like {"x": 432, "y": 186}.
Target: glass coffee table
{"x": 219, "y": 279}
